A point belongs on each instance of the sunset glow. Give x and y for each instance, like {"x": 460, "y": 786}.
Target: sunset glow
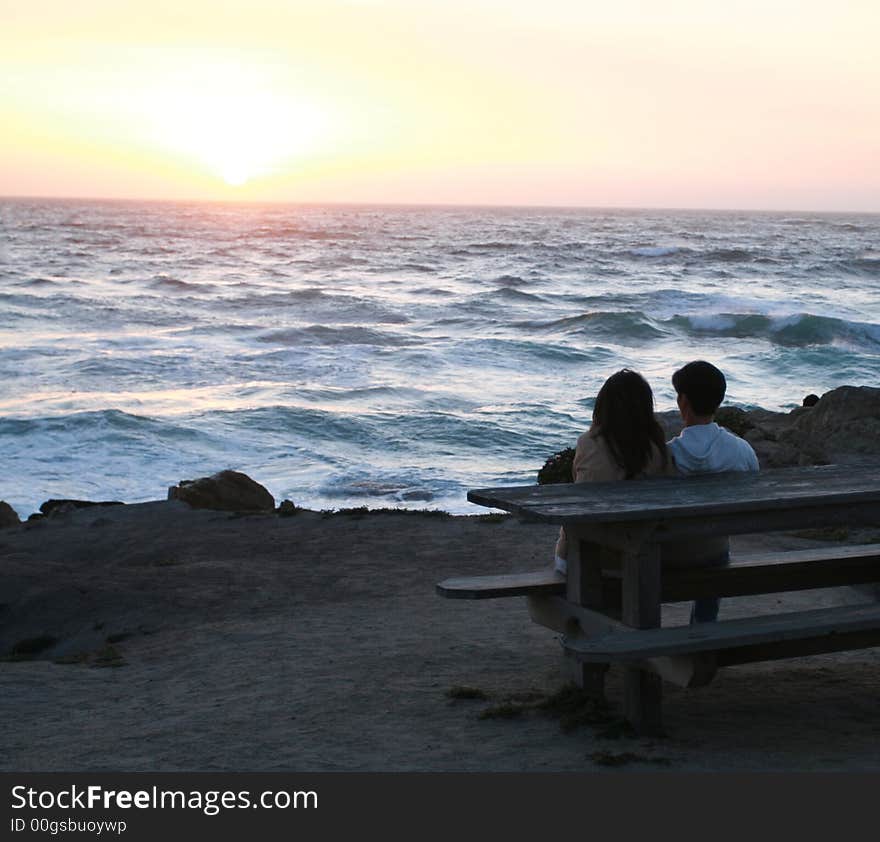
{"x": 237, "y": 133}
{"x": 679, "y": 104}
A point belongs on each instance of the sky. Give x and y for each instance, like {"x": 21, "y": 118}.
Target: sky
{"x": 764, "y": 104}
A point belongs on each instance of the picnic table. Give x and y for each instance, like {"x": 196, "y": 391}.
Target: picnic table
{"x": 608, "y": 606}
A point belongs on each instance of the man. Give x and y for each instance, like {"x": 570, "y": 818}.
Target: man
{"x": 704, "y": 448}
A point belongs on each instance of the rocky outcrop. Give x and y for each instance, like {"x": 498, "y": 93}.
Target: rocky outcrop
{"x": 8, "y": 515}
{"x": 843, "y": 426}
{"x": 557, "y": 468}
{"x": 228, "y": 491}
{"x": 52, "y": 508}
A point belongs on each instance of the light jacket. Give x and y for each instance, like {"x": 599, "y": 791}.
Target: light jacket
{"x": 593, "y": 462}
{"x": 710, "y": 449}
{"x": 705, "y": 449}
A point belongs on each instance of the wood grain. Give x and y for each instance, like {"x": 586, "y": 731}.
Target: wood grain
{"x": 668, "y": 499}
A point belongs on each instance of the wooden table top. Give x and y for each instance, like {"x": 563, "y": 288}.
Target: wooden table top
{"x": 668, "y": 499}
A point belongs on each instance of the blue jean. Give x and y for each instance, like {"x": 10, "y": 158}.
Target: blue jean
{"x": 705, "y": 609}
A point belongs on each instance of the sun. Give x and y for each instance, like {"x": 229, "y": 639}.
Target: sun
{"x": 235, "y": 175}
{"x": 234, "y": 130}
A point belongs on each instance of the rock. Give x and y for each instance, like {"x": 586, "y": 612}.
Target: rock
{"x": 51, "y": 508}
{"x": 8, "y": 515}
{"x": 227, "y": 491}
{"x": 287, "y": 508}
{"x": 810, "y": 400}
{"x": 557, "y": 468}
{"x": 843, "y": 426}
{"x": 734, "y": 419}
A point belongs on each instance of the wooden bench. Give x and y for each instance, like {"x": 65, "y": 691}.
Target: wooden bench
{"x": 825, "y": 567}
{"x": 537, "y": 583}
{"x": 746, "y": 640}
{"x": 611, "y": 612}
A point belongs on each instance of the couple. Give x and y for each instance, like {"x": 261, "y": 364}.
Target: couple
{"x": 626, "y": 442}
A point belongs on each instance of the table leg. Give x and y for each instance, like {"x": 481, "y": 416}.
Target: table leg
{"x": 641, "y": 609}
{"x": 584, "y": 587}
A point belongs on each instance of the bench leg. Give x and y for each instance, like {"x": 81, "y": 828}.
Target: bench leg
{"x": 589, "y": 677}
{"x": 643, "y": 701}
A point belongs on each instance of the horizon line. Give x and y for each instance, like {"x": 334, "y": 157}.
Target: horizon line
{"x": 428, "y": 205}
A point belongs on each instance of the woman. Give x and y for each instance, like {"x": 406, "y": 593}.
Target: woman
{"x": 625, "y": 440}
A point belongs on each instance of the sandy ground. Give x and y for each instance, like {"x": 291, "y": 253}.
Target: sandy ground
{"x": 314, "y": 642}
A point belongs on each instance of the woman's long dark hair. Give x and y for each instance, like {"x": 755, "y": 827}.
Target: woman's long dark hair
{"x": 624, "y": 417}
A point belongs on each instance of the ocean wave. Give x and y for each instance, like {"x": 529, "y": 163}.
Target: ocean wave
{"x": 316, "y": 303}
{"x": 801, "y": 329}
{"x": 471, "y": 249}
{"x": 732, "y": 255}
{"x": 511, "y": 353}
{"x": 493, "y": 245}
{"x": 57, "y": 303}
{"x": 654, "y": 251}
{"x": 492, "y": 302}
{"x": 106, "y": 425}
{"x": 295, "y": 232}
{"x": 417, "y": 267}
{"x": 325, "y": 335}
{"x": 37, "y": 283}
{"x": 722, "y": 255}
{"x": 166, "y": 282}
{"x": 161, "y": 251}
{"x": 456, "y": 431}
{"x": 294, "y": 425}
{"x": 511, "y": 294}
{"x": 865, "y": 266}
{"x": 510, "y": 281}
{"x": 222, "y": 328}
{"x": 133, "y": 369}
{"x": 619, "y": 326}
{"x": 363, "y": 394}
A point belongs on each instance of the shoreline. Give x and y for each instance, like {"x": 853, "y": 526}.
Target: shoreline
{"x": 843, "y": 426}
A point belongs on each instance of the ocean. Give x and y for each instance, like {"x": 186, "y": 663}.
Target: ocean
{"x": 392, "y": 356}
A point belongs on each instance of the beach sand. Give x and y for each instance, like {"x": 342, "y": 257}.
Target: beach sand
{"x": 199, "y": 640}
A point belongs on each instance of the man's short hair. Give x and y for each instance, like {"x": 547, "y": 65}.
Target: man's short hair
{"x": 702, "y": 384}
